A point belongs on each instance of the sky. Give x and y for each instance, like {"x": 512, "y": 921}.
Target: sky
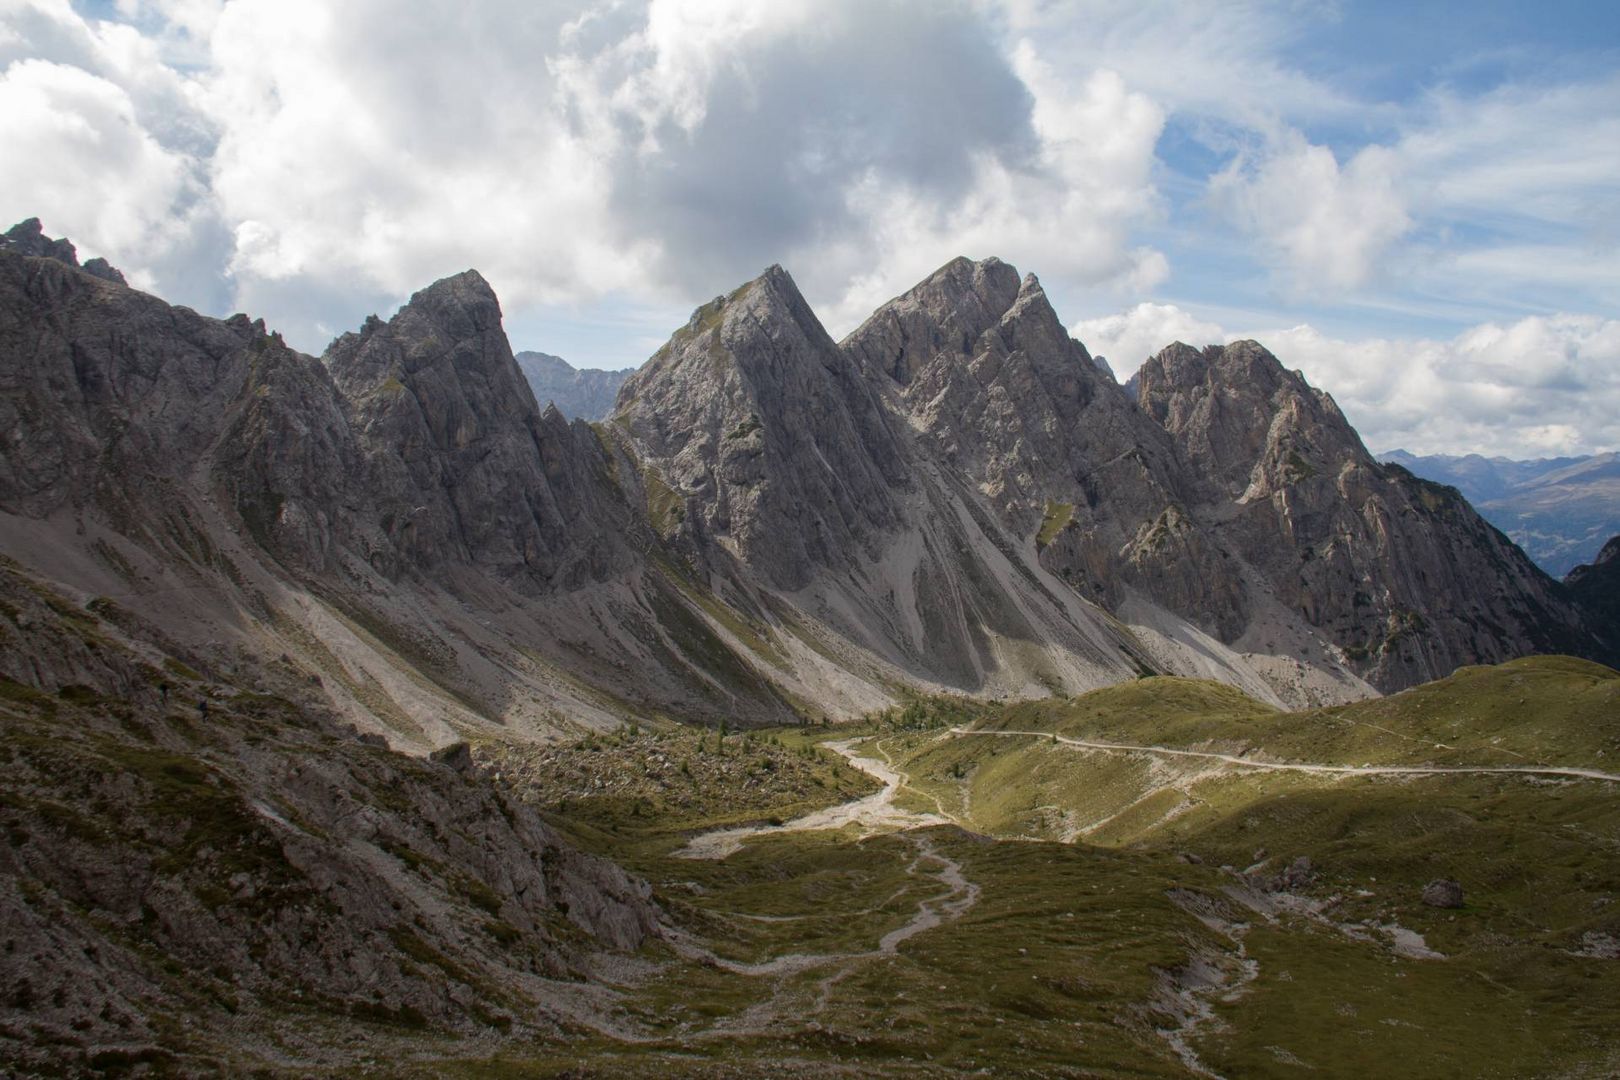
{"x": 1416, "y": 204}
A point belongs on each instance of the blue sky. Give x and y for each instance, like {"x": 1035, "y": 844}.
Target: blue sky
{"x": 1417, "y": 204}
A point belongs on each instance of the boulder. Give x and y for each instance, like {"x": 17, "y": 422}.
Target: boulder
{"x": 1443, "y": 893}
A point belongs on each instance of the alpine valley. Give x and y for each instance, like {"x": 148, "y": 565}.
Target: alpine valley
{"x": 921, "y": 703}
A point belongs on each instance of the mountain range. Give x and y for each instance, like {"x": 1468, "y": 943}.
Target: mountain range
{"x": 771, "y": 525}
{"x": 1559, "y": 510}
{"x": 361, "y": 712}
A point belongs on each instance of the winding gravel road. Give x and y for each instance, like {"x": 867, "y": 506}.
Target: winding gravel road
{"x": 1288, "y": 766}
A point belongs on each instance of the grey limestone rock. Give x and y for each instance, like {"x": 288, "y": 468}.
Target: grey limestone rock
{"x": 1400, "y": 574}
{"x": 28, "y": 238}
{"x": 759, "y": 431}
{"x": 459, "y": 460}
{"x": 1443, "y": 893}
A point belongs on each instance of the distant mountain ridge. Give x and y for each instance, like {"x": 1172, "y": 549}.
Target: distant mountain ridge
{"x": 1561, "y": 511}
{"x": 582, "y": 392}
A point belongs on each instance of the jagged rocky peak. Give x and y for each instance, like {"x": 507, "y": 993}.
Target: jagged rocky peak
{"x": 761, "y": 435}
{"x": 454, "y": 321}
{"x": 946, "y": 312}
{"x": 461, "y": 462}
{"x": 28, "y": 238}
{"x": 1243, "y": 420}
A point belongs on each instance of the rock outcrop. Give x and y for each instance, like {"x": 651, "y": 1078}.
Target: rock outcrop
{"x": 772, "y": 524}
{"x": 460, "y": 463}
{"x": 1596, "y": 586}
{"x": 215, "y": 846}
{"x": 1443, "y": 893}
{"x": 28, "y": 238}
{"x": 1399, "y": 574}
{"x": 761, "y": 432}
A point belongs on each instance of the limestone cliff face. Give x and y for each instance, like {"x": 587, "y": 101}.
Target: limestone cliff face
{"x": 779, "y": 465}
{"x": 459, "y": 462}
{"x": 1399, "y": 573}
{"x": 1002, "y": 394}
{"x": 761, "y": 437}
{"x": 102, "y": 386}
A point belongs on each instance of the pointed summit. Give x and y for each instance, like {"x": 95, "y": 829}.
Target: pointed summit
{"x": 945, "y": 312}
{"x": 766, "y": 432}
{"x": 447, "y": 338}
{"x": 463, "y": 464}
{"x": 1237, "y": 412}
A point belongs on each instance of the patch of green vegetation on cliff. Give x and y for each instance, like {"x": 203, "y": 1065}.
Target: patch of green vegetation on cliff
{"x": 1059, "y": 516}
{"x": 665, "y": 508}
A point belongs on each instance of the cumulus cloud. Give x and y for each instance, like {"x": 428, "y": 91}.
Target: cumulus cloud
{"x": 658, "y": 149}
{"x": 54, "y": 119}
{"x": 311, "y": 161}
{"x": 1323, "y": 225}
{"x": 1067, "y": 210}
{"x": 1544, "y": 385}
{"x": 1129, "y": 338}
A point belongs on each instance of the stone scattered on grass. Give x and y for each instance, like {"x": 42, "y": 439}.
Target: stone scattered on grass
{"x": 1443, "y": 893}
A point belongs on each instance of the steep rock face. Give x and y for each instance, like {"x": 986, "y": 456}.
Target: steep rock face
{"x": 957, "y": 496}
{"x": 947, "y": 313}
{"x": 1402, "y": 575}
{"x": 1596, "y": 586}
{"x": 966, "y": 423}
{"x": 461, "y": 463}
{"x": 111, "y": 386}
{"x": 1561, "y": 511}
{"x": 1001, "y": 393}
{"x": 290, "y": 462}
{"x": 760, "y": 437}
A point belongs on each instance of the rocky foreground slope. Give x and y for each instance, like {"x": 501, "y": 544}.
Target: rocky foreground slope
{"x": 773, "y": 525}
{"x": 203, "y": 862}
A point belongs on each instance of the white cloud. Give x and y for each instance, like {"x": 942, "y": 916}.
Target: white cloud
{"x": 1129, "y": 338}
{"x": 1542, "y": 385}
{"x": 117, "y": 185}
{"x": 1324, "y": 226}
{"x": 1231, "y": 62}
{"x": 1067, "y": 211}
{"x": 309, "y": 161}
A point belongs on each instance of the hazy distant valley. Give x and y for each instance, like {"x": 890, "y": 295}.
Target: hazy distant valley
{"x": 921, "y": 703}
